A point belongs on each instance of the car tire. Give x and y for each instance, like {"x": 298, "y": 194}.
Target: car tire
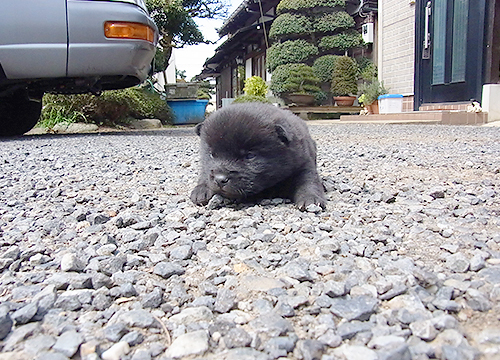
{"x": 18, "y": 113}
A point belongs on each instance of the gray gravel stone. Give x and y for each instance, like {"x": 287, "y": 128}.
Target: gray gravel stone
{"x": 237, "y": 337}
{"x": 68, "y": 342}
{"x": 188, "y": 344}
{"x": 99, "y": 238}
{"x": 115, "y": 332}
{"x": 309, "y": 349}
{"x": 153, "y": 299}
{"x": 167, "y": 269}
{"x": 225, "y": 300}
{"x": 25, "y": 314}
{"x": 138, "y": 318}
{"x": 5, "y": 322}
{"x": 357, "y": 308}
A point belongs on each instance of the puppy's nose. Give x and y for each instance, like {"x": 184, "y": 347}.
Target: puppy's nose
{"x": 221, "y": 179}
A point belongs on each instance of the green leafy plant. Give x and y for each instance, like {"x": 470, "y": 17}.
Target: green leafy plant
{"x": 332, "y": 22}
{"x": 288, "y": 24}
{"x": 54, "y": 113}
{"x": 298, "y": 5}
{"x": 288, "y": 52}
{"x": 110, "y": 108}
{"x": 255, "y": 86}
{"x": 370, "y": 91}
{"x": 344, "y": 78}
{"x": 323, "y": 67}
{"x": 294, "y": 78}
{"x": 341, "y": 42}
{"x": 251, "y": 98}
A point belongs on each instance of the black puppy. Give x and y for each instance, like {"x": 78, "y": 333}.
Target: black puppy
{"x": 256, "y": 150}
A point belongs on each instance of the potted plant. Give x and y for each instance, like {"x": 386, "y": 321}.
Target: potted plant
{"x": 344, "y": 81}
{"x": 296, "y": 83}
{"x": 255, "y": 91}
{"x": 370, "y": 91}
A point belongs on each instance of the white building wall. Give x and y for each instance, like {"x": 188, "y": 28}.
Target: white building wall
{"x": 396, "y": 36}
{"x": 168, "y": 74}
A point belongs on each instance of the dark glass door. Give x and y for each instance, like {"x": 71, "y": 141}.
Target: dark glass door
{"x": 449, "y": 50}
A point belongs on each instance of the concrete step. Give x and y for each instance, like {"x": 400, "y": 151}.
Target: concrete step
{"x": 444, "y": 117}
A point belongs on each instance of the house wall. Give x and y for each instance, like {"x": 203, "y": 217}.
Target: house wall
{"x": 396, "y": 39}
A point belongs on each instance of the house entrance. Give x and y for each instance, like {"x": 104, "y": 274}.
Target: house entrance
{"x": 450, "y": 42}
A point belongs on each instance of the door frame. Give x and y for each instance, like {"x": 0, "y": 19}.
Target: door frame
{"x": 475, "y": 75}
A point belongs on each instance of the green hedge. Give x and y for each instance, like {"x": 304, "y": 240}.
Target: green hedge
{"x": 251, "y": 98}
{"x": 342, "y": 42}
{"x": 323, "y": 67}
{"x": 110, "y": 108}
{"x": 332, "y": 22}
{"x": 301, "y": 5}
{"x": 290, "y": 24}
{"x": 294, "y": 78}
{"x": 291, "y": 51}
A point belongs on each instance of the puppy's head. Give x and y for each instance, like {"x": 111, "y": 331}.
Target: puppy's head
{"x": 245, "y": 149}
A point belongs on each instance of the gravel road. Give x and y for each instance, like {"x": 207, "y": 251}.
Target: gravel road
{"x": 103, "y": 256}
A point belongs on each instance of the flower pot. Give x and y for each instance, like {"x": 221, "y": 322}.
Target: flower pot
{"x": 344, "y": 100}
{"x": 373, "y": 107}
{"x": 301, "y": 99}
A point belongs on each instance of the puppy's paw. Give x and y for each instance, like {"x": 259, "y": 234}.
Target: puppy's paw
{"x": 201, "y": 194}
{"x": 303, "y": 200}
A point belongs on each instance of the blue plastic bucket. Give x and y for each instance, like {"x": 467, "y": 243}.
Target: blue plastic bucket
{"x": 188, "y": 111}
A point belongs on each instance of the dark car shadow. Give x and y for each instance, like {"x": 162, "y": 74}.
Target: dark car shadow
{"x": 177, "y": 131}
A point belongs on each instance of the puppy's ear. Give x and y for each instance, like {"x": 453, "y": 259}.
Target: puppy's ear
{"x": 197, "y": 129}
{"x": 282, "y": 134}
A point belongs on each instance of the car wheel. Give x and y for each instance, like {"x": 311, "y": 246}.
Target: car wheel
{"x": 18, "y": 113}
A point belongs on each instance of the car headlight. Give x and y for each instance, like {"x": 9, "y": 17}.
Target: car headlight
{"x": 128, "y": 30}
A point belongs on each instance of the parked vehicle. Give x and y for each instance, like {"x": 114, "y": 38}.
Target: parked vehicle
{"x": 68, "y": 47}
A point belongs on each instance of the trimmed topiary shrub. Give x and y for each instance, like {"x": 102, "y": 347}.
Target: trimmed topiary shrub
{"x": 291, "y": 51}
{"x": 341, "y": 42}
{"x": 255, "y": 86}
{"x": 323, "y": 67}
{"x": 345, "y": 76}
{"x": 300, "y": 5}
{"x": 332, "y": 22}
{"x": 290, "y": 24}
{"x": 294, "y": 78}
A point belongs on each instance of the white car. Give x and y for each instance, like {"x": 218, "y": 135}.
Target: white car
{"x": 68, "y": 46}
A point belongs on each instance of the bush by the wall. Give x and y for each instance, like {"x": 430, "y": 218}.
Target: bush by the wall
{"x": 110, "y": 108}
{"x": 323, "y": 67}
{"x": 367, "y": 69}
{"x": 294, "y": 78}
{"x": 301, "y": 5}
{"x": 291, "y": 51}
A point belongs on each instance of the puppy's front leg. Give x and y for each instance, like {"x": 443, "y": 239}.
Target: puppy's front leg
{"x": 309, "y": 190}
{"x": 201, "y": 194}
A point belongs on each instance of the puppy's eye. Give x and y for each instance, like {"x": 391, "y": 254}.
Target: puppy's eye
{"x": 250, "y": 155}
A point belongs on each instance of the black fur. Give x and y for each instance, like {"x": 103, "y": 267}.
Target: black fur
{"x": 257, "y": 150}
